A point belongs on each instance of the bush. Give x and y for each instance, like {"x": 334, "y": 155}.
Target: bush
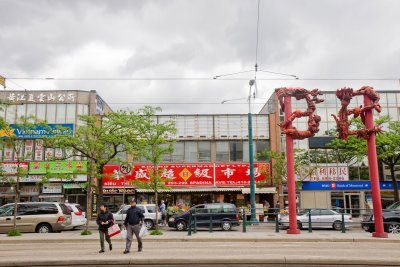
{"x": 86, "y": 232}
{"x": 156, "y": 232}
{"x": 14, "y": 232}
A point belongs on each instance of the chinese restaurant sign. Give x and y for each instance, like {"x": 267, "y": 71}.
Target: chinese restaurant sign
{"x": 328, "y": 172}
{"x": 39, "y": 131}
{"x": 202, "y": 174}
{"x": 66, "y": 167}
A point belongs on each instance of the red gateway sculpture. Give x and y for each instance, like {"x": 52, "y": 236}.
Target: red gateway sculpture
{"x": 342, "y": 122}
{"x": 371, "y": 102}
{"x": 311, "y": 97}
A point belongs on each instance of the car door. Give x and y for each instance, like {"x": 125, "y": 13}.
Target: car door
{"x": 201, "y": 215}
{"x": 26, "y": 216}
{"x": 315, "y": 217}
{"x": 216, "y": 211}
{"x": 6, "y": 218}
{"x": 327, "y": 218}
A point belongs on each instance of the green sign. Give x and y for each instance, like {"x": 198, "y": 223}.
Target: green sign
{"x": 57, "y": 167}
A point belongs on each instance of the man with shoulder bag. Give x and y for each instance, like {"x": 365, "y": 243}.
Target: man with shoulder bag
{"x": 133, "y": 222}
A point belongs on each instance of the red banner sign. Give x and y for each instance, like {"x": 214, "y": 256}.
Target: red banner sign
{"x": 239, "y": 174}
{"x": 190, "y": 175}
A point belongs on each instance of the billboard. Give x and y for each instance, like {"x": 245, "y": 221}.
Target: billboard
{"x": 190, "y": 174}
{"x": 65, "y": 167}
{"x": 38, "y": 131}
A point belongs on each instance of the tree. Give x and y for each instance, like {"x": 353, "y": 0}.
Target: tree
{"x": 159, "y": 141}
{"x": 388, "y": 151}
{"x": 100, "y": 141}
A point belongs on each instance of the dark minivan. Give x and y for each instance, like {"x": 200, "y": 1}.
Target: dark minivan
{"x": 224, "y": 215}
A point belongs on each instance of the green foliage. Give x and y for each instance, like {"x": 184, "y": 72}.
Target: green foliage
{"x": 278, "y": 166}
{"x": 14, "y": 232}
{"x": 86, "y": 232}
{"x": 156, "y": 232}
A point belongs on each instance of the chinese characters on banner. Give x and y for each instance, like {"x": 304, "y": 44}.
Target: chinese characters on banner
{"x": 191, "y": 174}
{"x": 11, "y": 168}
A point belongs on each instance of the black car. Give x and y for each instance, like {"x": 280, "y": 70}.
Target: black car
{"x": 224, "y": 215}
{"x": 391, "y": 220}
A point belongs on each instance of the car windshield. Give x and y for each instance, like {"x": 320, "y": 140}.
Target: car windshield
{"x": 394, "y": 206}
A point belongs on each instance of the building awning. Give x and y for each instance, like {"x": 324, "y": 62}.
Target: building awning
{"x": 51, "y": 196}
{"x": 264, "y": 190}
{"x": 194, "y": 190}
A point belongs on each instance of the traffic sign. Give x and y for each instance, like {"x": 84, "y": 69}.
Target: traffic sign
{"x": 125, "y": 168}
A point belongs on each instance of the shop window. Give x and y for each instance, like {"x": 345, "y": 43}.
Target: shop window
{"x": 261, "y": 147}
{"x": 179, "y": 152}
{"x": 191, "y": 152}
{"x": 51, "y": 113}
{"x": 222, "y": 151}
{"x": 71, "y": 113}
{"x": 61, "y": 113}
{"x": 10, "y": 113}
{"x": 204, "y": 151}
{"x": 31, "y": 110}
{"x": 41, "y": 112}
{"x": 236, "y": 150}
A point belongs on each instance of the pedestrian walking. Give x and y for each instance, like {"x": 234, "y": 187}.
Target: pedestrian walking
{"x": 163, "y": 212}
{"x": 104, "y": 220}
{"x": 133, "y": 222}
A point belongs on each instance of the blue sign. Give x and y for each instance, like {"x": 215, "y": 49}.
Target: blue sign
{"x": 39, "y": 131}
{"x": 345, "y": 185}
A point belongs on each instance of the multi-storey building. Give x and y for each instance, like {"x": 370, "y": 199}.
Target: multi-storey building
{"x": 59, "y": 109}
{"x": 334, "y": 183}
{"x": 209, "y": 162}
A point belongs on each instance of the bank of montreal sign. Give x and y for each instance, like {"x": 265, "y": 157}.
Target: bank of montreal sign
{"x": 40, "y": 131}
{"x": 345, "y": 185}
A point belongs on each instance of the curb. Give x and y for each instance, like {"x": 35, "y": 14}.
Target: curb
{"x": 271, "y": 261}
{"x": 207, "y": 240}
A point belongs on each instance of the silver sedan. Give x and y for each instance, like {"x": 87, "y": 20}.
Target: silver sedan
{"x": 320, "y": 218}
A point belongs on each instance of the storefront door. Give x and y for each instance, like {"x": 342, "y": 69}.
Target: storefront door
{"x": 352, "y": 203}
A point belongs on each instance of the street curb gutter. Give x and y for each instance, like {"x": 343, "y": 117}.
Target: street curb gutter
{"x": 271, "y": 261}
{"x": 14, "y": 240}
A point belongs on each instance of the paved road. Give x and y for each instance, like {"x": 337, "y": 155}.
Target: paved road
{"x": 204, "y": 254}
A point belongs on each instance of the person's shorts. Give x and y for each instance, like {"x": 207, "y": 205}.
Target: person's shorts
{"x": 163, "y": 216}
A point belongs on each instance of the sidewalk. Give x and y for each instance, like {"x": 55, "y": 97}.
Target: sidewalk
{"x": 252, "y": 235}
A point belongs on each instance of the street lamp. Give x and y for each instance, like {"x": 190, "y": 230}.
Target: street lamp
{"x": 253, "y": 218}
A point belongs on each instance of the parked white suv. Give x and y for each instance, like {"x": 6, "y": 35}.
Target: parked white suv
{"x": 77, "y": 213}
{"x": 149, "y": 212}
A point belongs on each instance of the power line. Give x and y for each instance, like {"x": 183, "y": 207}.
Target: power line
{"x": 175, "y": 103}
{"x": 202, "y": 78}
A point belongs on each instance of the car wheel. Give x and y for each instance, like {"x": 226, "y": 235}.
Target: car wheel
{"x": 393, "y": 228}
{"x": 149, "y": 224}
{"x": 337, "y": 225}
{"x": 180, "y": 226}
{"x": 299, "y": 225}
{"x": 44, "y": 228}
{"x": 226, "y": 226}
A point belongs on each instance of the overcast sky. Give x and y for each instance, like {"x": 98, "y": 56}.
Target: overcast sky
{"x": 198, "y": 38}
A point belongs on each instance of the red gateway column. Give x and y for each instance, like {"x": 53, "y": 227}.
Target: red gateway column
{"x": 373, "y": 173}
{"x": 290, "y": 172}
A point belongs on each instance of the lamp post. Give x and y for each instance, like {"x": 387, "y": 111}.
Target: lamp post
{"x": 253, "y": 218}
{"x": 117, "y": 174}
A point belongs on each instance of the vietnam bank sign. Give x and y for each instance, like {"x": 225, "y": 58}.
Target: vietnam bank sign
{"x": 39, "y": 131}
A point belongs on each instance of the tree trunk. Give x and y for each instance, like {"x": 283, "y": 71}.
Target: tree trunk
{"x": 17, "y": 196}
{"x": 89, "y": 203}
{"x": 395, "y": 186}
{"x": 99, "y": 192}
{"x": 156, "y": 200}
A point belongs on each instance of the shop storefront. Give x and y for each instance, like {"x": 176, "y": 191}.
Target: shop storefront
{"x": 190, "y": 184}
{"x": 353, "y": 197}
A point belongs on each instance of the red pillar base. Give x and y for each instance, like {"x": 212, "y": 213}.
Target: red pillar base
{"x": 293, "y": 232}
{"x": 380, "y": 235}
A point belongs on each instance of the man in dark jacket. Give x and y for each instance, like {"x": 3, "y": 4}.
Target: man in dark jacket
{"x": 104, "y": 220}
{"x": 133, "y": 221}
